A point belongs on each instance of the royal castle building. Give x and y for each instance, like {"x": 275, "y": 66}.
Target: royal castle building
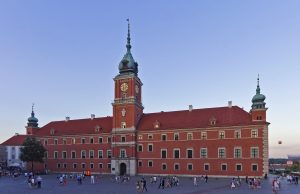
{"x": 218, "y": 141}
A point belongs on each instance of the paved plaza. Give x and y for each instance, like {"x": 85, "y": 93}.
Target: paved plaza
{"x": 105, "y": 185}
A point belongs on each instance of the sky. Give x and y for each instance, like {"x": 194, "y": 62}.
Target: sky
{"x": 63, "y": 55}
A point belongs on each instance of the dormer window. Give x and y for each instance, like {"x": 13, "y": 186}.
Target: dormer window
{"x": 97, "y": 128}
{"x": 156, "y": 124}
{"x": 212, "y": 121}
{"x": 52, "y": 131}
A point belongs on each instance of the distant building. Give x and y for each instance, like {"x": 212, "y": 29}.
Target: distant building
{"x": 292, "y": 159}
{"x": 12, "y": 149}
{"x": 220, "y": 141}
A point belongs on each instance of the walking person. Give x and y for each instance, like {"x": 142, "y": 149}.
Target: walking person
{"x": 206, "y": 178}
{"x": 92, "y": 179}
{"x": 144, "y": 184}
{"x": 39, "y": 181}
{"x": 195, "y": 181}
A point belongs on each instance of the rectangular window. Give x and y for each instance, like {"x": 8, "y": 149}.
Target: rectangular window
{"x": 140, "y": 163}
{"x": 150, "y": 136}
{"x": 254, "y": 152}
{"x": 164, "y": 166}
{"x": 222, "y": 134}
{"x": 55, "y": 154}
{"x": 190, "y": 166}
{"x": 91, "y": 140}
{"x": 163, "y": 137}
{"x": 189, "y": 136}
{"x": 150, "y": 147}
{"x": 203, "y": 153}
{"x": 108, "y": 139}
{"x": 237, "y": 134}
{"x": 108, "y": 165}
{"x": 45, "y": 142}
{"x": 65, "y": 165}
{"x": 203, "y": 135}
{"x": 206, "y": 167}
{"x": 58, "y": 165}
{"x": 123, "y": 153}
{"x": 64, "y": 141}
{"x": 109, "y": 153}
{"x": 189, "y": 153}
{"x": 176, "y": 166}
{"x": 100, "y": 139}
{"x": 237, "y": 152}
{"x": 55, "y": 141}
{"x": 64, "y": 155}
{"x": 150, "y": 163}
{"x": 73, "y": 154}
{"x": 176, "y": 136}
{"x": 224, "y": 167}
{"x": 176, "y": 153}
{"x": 83, "y": 165}
{"x": 100, "y": 165}
{"x": 91, "y": 153}
{"x": 238, "y": 167}
{"x": 91, "y": 165}
{"x": 83, "y": 140}
{"x": 100, "y": 153}
{"x": 140, "y": 148}
{"x": 46, "y": 154}
{"x": 74, "y": 165}
{"x": 254, "y": 133}
{"x": 83, "y": 154}
{"x": 254, "y": 167}
{"x": 123, "y": 125}
{"x": 221, "y": 153}
{"x": 163, "y": 153}
{"x": 123, "y": 139}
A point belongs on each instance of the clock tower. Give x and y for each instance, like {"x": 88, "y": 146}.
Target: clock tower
{"x": 127, "y": 111}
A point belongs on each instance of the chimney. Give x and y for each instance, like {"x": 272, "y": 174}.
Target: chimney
{"x": 92, "y": 116}
{"x": 190, "y": 108}
{"x": 67, "y": 119}
{"x": 229, "y": 104}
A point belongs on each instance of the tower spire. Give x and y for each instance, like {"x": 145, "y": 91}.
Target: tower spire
{"x": 258, "y": 88}
{"x": 128, "y": 46}
{"x": 32, "y": 111}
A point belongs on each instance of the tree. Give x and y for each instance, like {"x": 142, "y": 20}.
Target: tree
{"x": 32, "y": 151}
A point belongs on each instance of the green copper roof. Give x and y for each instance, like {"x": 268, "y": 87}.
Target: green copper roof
{"x": 258, "y": 100}
{"x": 32, "y": 121}
{"x": 127, "y": 64}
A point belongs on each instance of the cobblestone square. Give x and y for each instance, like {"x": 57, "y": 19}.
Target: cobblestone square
{"x": 105, "y": 185}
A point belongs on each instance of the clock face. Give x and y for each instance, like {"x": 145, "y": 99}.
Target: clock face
{"x": 137, "y": 89}
{"x": 124, "y": 87}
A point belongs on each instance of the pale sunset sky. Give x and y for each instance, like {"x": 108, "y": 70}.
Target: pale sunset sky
{"x": 62, "y": 56}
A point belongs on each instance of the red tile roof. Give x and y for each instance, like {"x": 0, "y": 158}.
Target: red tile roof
{"x": 16, "y": 140}
{"x": 197, "y": 118}
{"x": 185, "y": 119}
{"x": 75, "y": 127}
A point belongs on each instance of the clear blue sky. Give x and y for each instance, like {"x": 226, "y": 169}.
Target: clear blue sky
{"x": 62, "y": 55}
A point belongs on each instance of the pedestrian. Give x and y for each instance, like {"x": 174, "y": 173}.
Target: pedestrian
{"x": 92, "y": 179}
{"x": 195, "y": 181}
{"x": 206, "y": 178}
{"x": 39, "y": 181}
{"x": 144, "y": 184}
